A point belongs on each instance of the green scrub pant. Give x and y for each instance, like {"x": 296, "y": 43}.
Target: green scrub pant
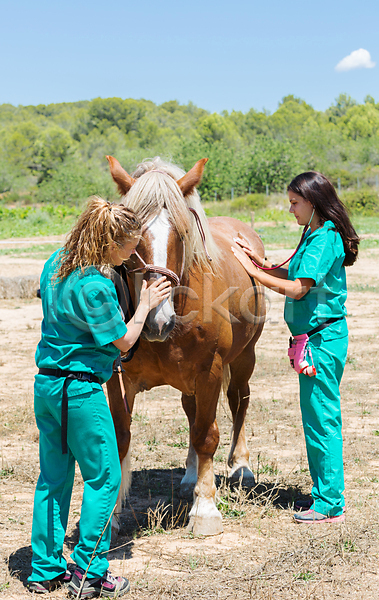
{"x": 92, "y": 442}
{"x": 321, "y": 413}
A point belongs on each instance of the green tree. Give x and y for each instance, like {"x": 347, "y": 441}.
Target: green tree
{"x": 20, "y": 146}
{"x": 341, "y": 106}
{"x": 215, "y": 128}
{"x": 361, "y": 121}
{"x": 74, "y": 181}
{"x": 291, "y": 117}
{"x": 52, "y": 147}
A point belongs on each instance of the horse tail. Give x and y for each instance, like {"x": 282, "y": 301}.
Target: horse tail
{"x": 126, "y": 480}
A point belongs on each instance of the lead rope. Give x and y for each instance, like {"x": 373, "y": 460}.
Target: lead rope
{"x": 201, "y": 231}
{"x": 154, "y": 269}
{"x": 119, "y": 370}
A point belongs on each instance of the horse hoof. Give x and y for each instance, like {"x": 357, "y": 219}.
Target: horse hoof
{"x": 205, "y": 518}
{"x": 243, "y": 475}
{"x": 205, "y": 525}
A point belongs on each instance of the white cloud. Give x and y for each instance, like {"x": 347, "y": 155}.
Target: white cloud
{"x": 359, "y": 59}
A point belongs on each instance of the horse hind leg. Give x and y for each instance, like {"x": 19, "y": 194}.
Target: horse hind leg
{"x": 238, "y": 396}
{"x": 122, "y": 422}
{"x": 204, "y": 517}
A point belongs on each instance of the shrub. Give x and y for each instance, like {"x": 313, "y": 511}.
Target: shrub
{"x": 251, "y": 201}
{"x": 364, "y": 201}
{"x": 73, "y": 182}
{"x": 346, "y": 178}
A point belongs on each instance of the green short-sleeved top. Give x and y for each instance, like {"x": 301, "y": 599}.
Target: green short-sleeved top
{"x": 81, "y": 319}
{"x": 320, "y": 257}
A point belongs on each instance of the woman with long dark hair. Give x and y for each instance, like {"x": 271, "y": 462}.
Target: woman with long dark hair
{"x": 315, "y": 290}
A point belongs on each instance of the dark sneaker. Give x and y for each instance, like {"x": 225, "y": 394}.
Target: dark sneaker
{"x": 42, "y": 587}
{"x": 311, "y": 517}
{"x": 107, "y": 586}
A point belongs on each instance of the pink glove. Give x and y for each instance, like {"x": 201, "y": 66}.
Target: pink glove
{"x": 297, "y": 353}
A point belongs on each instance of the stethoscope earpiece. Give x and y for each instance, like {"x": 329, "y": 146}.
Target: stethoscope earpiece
{"x": 312, "y": 215}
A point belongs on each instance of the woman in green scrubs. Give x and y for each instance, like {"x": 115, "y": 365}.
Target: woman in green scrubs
{"x": 315, "y": 290}
{"x": 82, "y": 334}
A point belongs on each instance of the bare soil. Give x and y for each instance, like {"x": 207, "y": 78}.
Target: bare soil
{"x": 262, "y": 553}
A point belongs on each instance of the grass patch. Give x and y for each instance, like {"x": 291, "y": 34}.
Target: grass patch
{"x": 6, "y": 471}
{"x": 28, "y": 221}
{"x": 281, "y": 236}
{"x": 305, "y": 576}
{"x": 181, "y": 444}
{"x": 364, "y": 287}
{"x": 228, "y": 508}
{"x": 368, "y": 243}
{"x": 38, "y": 251}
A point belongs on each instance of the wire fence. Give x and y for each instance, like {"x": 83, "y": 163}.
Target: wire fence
{"x": 355, "y": 184}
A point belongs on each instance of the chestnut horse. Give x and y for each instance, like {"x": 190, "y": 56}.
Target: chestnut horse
{"x": 206, "y": 331}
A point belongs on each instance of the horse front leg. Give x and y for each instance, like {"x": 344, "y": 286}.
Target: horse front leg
{"x": 188, "y": 482}
{"x": 121, "y": 409}
{"x": 205, "y": 518}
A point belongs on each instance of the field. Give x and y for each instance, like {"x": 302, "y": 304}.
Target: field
{"x": 262, "y": 554}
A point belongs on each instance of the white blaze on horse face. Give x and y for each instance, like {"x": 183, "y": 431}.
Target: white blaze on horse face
{"x": 159, "y": 229}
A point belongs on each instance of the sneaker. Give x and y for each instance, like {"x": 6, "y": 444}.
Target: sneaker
{"x": 42, "y": 587}
{"x": 107, "y": 586}
{"x": 312, "y": 517}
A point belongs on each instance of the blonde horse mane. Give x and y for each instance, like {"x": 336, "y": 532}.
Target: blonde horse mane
{"x": 155, "y": 188}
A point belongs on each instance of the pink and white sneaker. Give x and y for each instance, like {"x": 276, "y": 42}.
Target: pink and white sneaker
{"x": 312, "y": 517}
{"x": 107, "y": 586}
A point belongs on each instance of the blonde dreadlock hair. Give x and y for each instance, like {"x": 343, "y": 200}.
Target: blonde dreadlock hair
{"x": 89, "y": 242}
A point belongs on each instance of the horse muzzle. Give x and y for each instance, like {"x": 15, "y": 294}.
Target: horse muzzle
{"x": 158, "y": 330}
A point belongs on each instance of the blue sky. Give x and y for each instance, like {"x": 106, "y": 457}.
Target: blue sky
{"x": 219, "y": 55}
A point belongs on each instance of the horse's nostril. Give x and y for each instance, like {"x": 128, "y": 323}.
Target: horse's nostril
{"x": 159, "y": 328}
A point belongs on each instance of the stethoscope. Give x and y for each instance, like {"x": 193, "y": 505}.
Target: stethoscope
{"x": 292, "y": 255}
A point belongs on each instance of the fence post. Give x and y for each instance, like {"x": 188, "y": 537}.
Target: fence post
{"x": 266, "y": 189}
{"x": 215, "y": 196}
{"x": 249, "y": 189}
{"x": 339, "y": 185}
{"x": 358, "y": 183}
{"x": 232, "y": 193}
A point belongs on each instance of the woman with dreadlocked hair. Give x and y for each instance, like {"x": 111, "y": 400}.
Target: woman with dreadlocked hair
{"x": 82, "y": 334}
{"x": 315, "y": 290}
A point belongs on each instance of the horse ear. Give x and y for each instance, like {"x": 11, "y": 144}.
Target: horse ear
{"x": 192, "y": 179}
{"x": 120, "y": 176}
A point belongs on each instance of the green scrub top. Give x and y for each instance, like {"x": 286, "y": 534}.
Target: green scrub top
{"x": 320, "y": 257}
{"x": 81, "y": 319}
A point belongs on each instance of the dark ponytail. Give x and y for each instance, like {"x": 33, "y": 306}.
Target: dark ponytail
{"x": 318, "y": 190}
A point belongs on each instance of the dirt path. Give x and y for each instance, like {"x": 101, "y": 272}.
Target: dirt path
{"x": 261, "y": 553}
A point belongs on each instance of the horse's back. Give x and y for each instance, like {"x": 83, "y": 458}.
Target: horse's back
{"x": 224, "y": 229}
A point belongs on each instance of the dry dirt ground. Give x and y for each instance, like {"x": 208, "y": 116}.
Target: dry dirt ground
{"x": 262, "y": 553}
